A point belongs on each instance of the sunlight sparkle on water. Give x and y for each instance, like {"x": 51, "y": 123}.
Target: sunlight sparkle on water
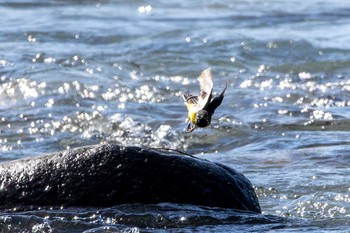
{"x": 145, "y": 9}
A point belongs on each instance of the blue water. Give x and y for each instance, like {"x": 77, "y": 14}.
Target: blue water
{"x": 76, "y": 73}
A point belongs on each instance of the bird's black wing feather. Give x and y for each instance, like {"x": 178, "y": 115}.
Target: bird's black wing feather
{"x": 216, "y": 102}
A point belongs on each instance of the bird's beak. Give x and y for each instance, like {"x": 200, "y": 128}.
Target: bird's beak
{"x": 190, "y": 128}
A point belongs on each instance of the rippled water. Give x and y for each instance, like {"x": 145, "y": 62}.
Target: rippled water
{"x": 75, "y": 73}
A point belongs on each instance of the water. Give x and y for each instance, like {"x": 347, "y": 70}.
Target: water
{"x": 76, "y": 73}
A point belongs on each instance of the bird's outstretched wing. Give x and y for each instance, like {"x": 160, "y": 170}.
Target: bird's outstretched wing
{"x": 191, "y": 102}
{"x": 196, "y": 103}
{"x": 206, "y": 88}
{"x": 190, "y": 99}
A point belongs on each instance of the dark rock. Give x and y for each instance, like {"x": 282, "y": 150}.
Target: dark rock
{"x": 108, "y": 175}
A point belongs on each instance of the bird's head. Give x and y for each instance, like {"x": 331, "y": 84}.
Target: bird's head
{"x": 203, "y": 118}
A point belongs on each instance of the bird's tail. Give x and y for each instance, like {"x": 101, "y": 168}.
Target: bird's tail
{"x": 215, "y": 103}
{"x": 223, "y": 91}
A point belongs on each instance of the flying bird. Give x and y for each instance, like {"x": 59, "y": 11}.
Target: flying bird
{"x": 202, "y": 107}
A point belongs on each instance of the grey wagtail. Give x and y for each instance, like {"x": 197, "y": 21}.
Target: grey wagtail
{"x": 202, "y": 107}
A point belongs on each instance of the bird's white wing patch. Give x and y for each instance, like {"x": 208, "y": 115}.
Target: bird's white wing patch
{"x": 206, "y": 87}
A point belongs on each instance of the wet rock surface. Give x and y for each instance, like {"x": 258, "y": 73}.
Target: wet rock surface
{"x": 108, "y": 175}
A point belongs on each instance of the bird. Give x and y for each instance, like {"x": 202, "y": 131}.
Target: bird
{"x": 202, "y": 107}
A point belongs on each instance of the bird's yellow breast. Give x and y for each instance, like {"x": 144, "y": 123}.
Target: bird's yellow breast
{"x": 192, "y": 117}
{"x": 191, "y": 113}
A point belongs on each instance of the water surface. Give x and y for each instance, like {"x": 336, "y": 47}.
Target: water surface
{"x": 75, "y": 73}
